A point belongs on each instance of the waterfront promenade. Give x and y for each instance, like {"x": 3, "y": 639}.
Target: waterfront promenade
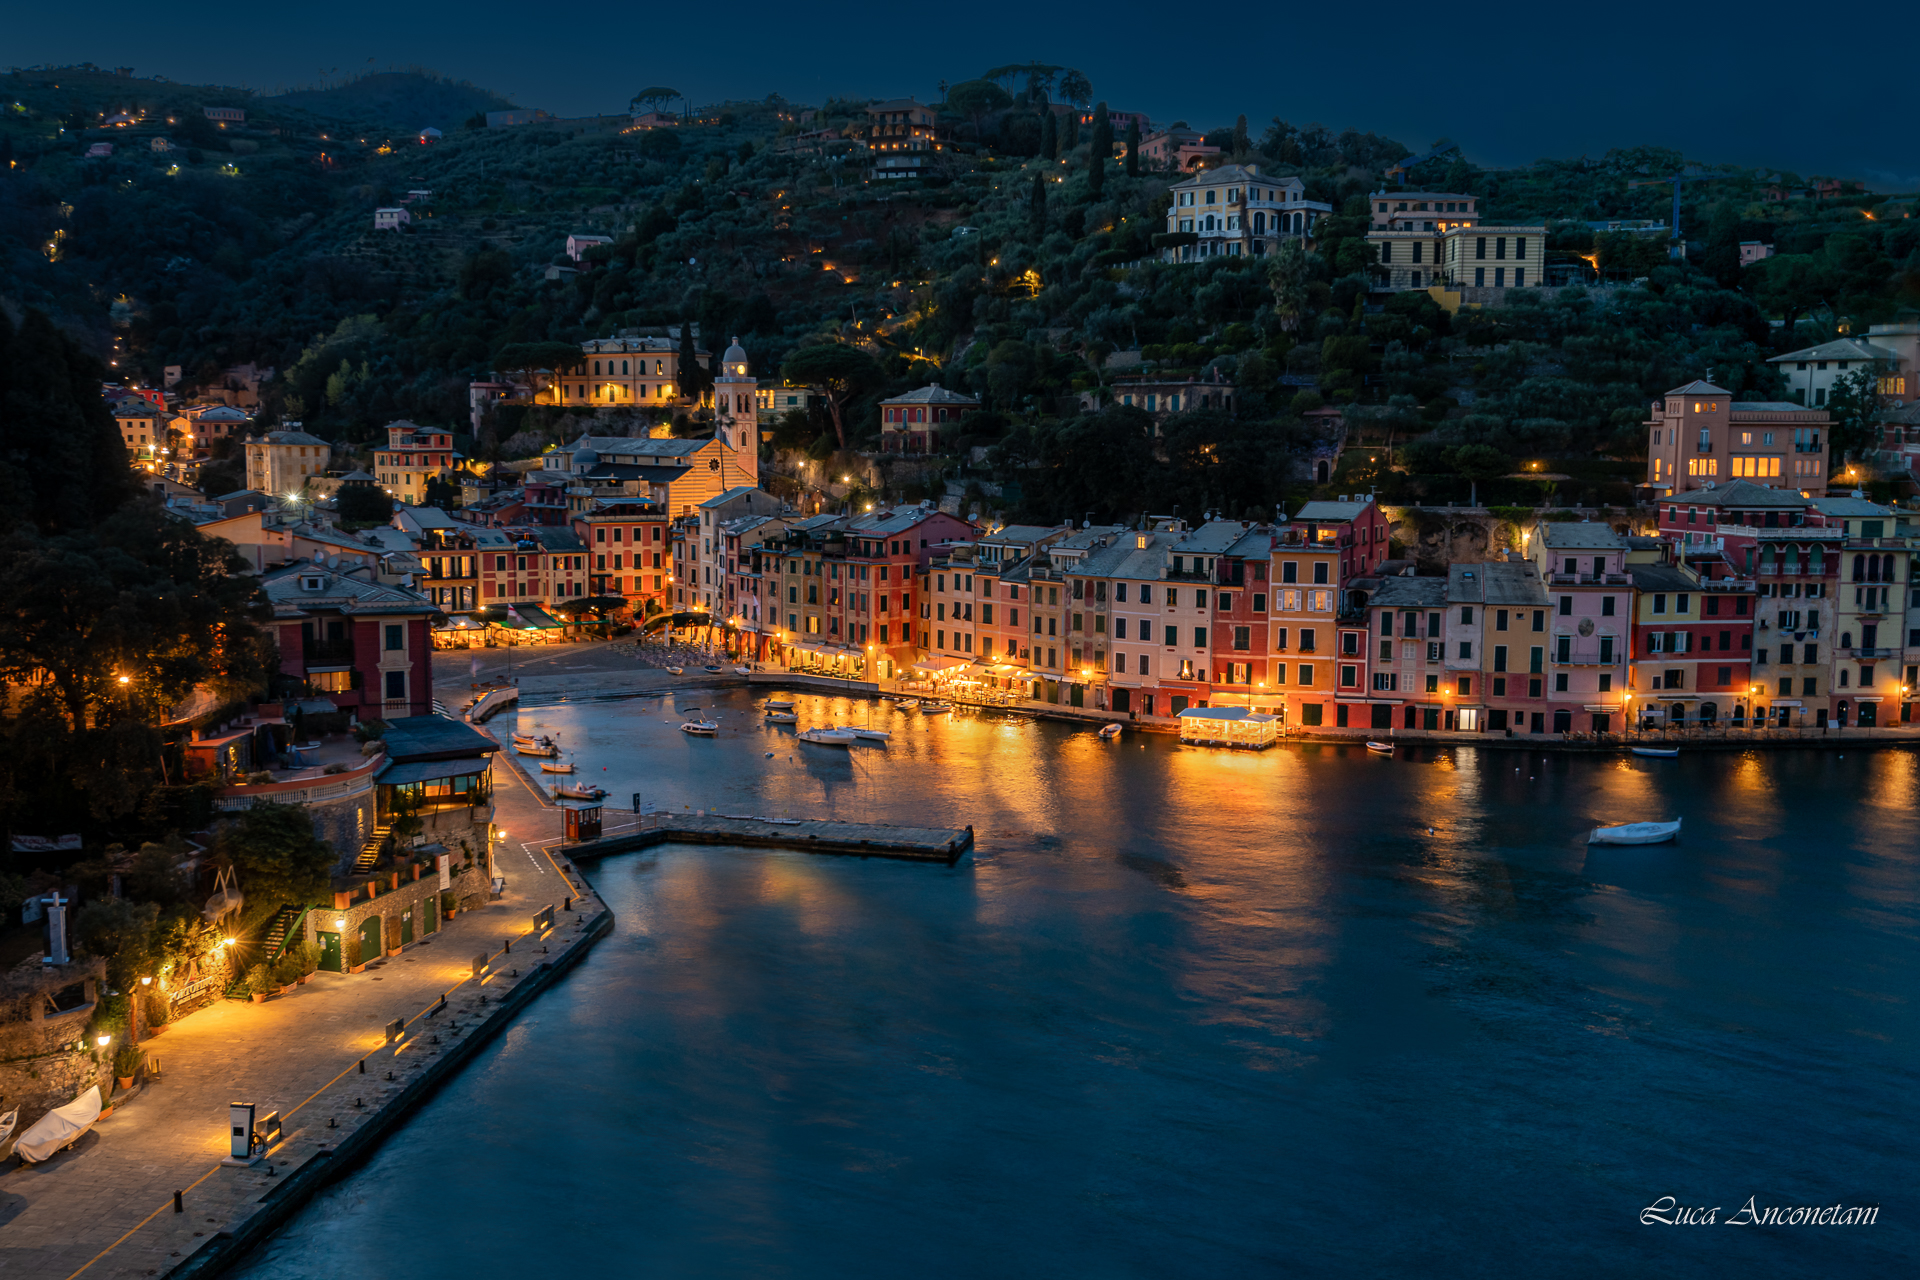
{"x": 105, "y": 1208}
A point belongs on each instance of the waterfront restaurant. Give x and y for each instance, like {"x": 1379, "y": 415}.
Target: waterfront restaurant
{"x": 1228, "y": 727}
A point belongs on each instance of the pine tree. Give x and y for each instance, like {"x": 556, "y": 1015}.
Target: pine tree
{"x": 1038, "y": 207}
{"x": 1049, "y": 137}
{"x": 1102, "y": 151}
{"x": 1133, "y": 147}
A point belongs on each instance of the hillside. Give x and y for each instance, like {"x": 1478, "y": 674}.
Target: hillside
{"x": 397, "y": 101}
{"x": 255, "y": 242}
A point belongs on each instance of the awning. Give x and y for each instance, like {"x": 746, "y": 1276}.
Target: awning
{"x": 1782, "y": 702}
{"x": 938, "y": 664}
{"x": 1602, "y": 707}
{"x": 1869, "y": 699}
{"x": 532, "y": 615}
{"x": 428, "y": 770}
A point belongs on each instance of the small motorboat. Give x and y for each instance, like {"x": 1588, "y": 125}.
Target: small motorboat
{"x": 743, "y": 671}
{"x": 1656, "y": 753}
{"x": 713, "y": 671}
{"x": 1636, "y": 833}
{"x": 1109, "y": 732}
{"x": 700, "y": 728}
{"x": 1380, "y": 748}
{"x": 542, "y": 748}
{"x": 907, "y": 704}
{"x": 577, "y": 791}
{"x": 556, "y": 766}
{"x": 871, "y": 735}
{"x": 676, "y": 671}
{"x": 782, "y": 717}
{"x": 934, "y": 708}
{"x": 778, "y": 704}
{"x": 827, "y": 737}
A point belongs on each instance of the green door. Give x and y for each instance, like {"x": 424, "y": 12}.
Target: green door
{"x": 431, "y": 921}
{"x": 330, "y": 953}
{"x": 370, "y": 947}
{"x": 406, "y": 926}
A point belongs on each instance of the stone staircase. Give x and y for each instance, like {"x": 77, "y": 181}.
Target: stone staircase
{"x": 370, "y": 851}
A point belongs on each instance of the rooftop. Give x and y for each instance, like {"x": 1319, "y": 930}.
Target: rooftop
{"x": 1839, "y": 349}
{"x": 1581, "y": 536}
{"x": 434, "y": 737}
{"x": 1329, "y": 511}
{"x": 1742, "y": 493}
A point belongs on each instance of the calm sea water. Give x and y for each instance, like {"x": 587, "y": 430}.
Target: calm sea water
{"x": 1189, "y": 1012}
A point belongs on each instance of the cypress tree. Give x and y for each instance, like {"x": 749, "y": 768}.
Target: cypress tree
{"x": 1049, "y": 137}
{"x": 1133, "y": 147}
{"x": 1071, "y": 130}
{"x": 1102, "y": 150}
{"x": 1038, "y": 206}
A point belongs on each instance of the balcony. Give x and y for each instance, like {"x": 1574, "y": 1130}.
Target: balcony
{"x": 1589, "y": 655}
{"x": 328, "y": 653}
{"x": 1590, "y": 579}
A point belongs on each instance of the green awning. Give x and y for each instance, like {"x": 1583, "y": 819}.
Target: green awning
{"x": 430, "y": 770}
{"x": 534, "y": 618}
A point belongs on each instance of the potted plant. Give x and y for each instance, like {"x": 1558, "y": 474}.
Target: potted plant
{"x": 159, "y": 1012}
{"x": 126, "y": 1061}
{"x": 286, "y": 971}
{"x": 355, "y": 962}
{"x": 260, "y": 983}
{"x": 307, "y": 954}
{"x": 449, "y": 904}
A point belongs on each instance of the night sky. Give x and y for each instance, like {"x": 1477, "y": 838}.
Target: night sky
{"x": 1759, "y": 83}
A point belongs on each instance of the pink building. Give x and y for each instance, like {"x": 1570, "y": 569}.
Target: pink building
{"x": 1583, "y": 569}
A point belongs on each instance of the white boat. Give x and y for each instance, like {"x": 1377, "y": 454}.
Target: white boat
{"x": 1110, "y": 732}
{"x": 871, "y": 735}
{"x": 676, "y": 671}
{"x": 934, "y": 708}
{"x": 782, "y": 717}
{"x": 59, "y": 1128}
{"x": 700, "y": 728}
{"x": 556, "y": 766}
{"x": 827, "y": 737}
{"x": 1380, "y": 748}
{"x": 1657, "y": 753}
{"x": 712, "y": 671}
{"x": 536, "y": 749}
{"x": 743, "y": 671}
{"x": 778, "y": 704}
{"x": 577, "y": 791}
{"x": 1636, "y": 833}
{"x": 907, "y": 704}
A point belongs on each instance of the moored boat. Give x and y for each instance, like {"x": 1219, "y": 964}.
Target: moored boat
{"x": 712, "y": 671}
{"x": 778, "y": 704}
{"x": 577, "y": 791}
{"x": 1380, "y": 748}
{"x": 556, "y": 766}
{"x": 1636, "y": 833}
{"x": 743, "y": 671}
{"x": 536, "y": 748}
{"x": 1656, "y": 753}
{"x": 676, "y": 671}
{"x": 934, "y": 708}
{"x": 907, "y": 704}
{"x": 1110, "y": 732}
{"x": 700, "y": 728}
{"x": 871, "y": 735}
{"x": 782, "y": 717}
{"x": 827, "y": 737}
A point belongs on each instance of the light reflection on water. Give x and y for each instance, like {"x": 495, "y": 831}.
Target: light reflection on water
{"x": 1188, "y": 1012}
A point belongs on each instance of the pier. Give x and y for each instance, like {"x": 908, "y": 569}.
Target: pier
{"x": 855, "y": 839}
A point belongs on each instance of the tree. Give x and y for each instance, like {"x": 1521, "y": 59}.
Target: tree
{"x": 1477, "y": 462}
{"x": 65, "y": 462}
{"x": 279, "y": 858}
{"x": 1289, "y": 268}
{"x": 653, "y": 98}
{"x": 1037, "y": 206}
{"x": 1049, "y": 137}
{"x": 1133, "y": 147}
{"x": 694, "y": 380}
{"x": 1070, "y": 130}
{"x": 525, "y": 358}
{"x": 1101, "y": 152}
{"x": 840, "y": 371}
{"x": 1076, "y": 88}
{"x": 1853, "y": 405}
{"x": 977, "y": 100}
{"x": 363, "y": 504}
{"x": 1459, "y": 177}
{"x": 1242, "y": 145}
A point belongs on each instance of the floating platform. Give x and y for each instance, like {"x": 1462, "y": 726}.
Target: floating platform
{"x": 855, "y": 839}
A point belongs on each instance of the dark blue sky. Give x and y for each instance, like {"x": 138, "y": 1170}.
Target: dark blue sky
{"x": 1759, "y": 83}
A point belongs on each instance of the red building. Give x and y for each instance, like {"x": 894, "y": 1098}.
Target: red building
{"x": 626, "y": 550}
{"x": 365, "y": 645}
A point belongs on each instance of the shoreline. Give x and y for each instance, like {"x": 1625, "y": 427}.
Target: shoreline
{"x": 329, "y": 1165}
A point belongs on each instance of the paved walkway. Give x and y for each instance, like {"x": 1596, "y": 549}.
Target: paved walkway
{"x": 105, "y": 1208}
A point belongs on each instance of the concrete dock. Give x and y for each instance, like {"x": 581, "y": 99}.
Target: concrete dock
{"x": 855, "y": 839}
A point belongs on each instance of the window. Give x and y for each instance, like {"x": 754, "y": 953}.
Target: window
{"x": 1199, "y": 637}
{"x": 1173, "y": 637}
{"x": 1466, "y": 649}
{"x": 396, "y": 637}
{"x": 1499, "y": 619}
{"x": 1566, "y": 606}
{"x": 1606, "y": 606}
{"x": 1499, "y": 657}
{"x": 396, "y": 685}
{"x": 1466, "y": 613}
{"x": 1464, "y": 686}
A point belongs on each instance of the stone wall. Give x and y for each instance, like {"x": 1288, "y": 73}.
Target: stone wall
{"x": 1435, "y": 537}
{"x": 468, "y": 882}
{"x": 38, "y": 1084}
{"x": 45, "y": 1061}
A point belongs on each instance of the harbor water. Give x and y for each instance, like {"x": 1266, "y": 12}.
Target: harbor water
{"x": 1187, "y": 1012}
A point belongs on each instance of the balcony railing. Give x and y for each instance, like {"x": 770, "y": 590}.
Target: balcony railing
{"x": 1587, "y": 655}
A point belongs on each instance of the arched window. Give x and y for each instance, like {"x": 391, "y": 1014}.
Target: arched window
{"x": 1859, "y": 568}
{"x": 1886, "y": 568}
{"x": 1846, "y": 642}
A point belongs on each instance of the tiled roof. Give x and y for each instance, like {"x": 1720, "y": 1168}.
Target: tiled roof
{"x": 1396, "y": 593}
{"x": 1699, "y": 388}
{"x": 1332, "y": 511}
{"x": 1582, "y": 535}
{"x": 1741, "y": 493}
{"x": 932, "y": 393}
{"x": 1839, "y": 349}
{"x": 343, "y": 592}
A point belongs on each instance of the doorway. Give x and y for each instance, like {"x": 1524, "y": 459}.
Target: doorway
{"x": 330, "y": 952}
{"x": 371, "y": 947}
